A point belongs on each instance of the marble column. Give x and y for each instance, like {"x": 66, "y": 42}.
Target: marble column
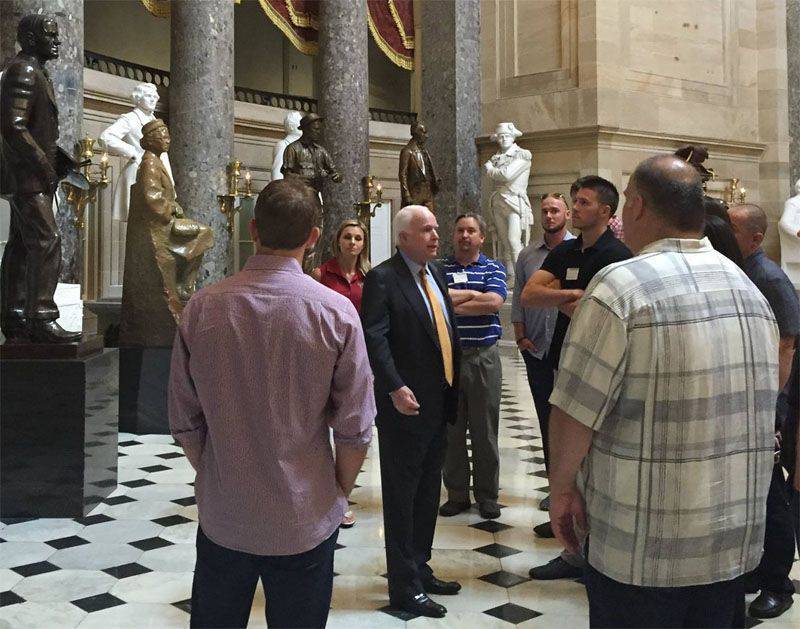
{"x": 793, "y": 56}
{"x": 201, "y": 119}
{"x": 343, "y": 99}
{"x": 451, "y": 85}
{"x": 66, "y": 73}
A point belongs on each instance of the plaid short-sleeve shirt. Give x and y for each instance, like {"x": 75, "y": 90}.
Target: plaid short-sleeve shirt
{"x": 671, "y": 359}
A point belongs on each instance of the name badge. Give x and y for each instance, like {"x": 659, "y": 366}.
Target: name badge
{"x": 572, "y": 273}
{"x": 460, "y": 278}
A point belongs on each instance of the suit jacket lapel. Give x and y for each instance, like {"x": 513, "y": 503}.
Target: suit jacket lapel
{"x": 408, "y": 286}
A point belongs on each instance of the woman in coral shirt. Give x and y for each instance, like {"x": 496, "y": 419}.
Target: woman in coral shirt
{"x": 345, "y": 273}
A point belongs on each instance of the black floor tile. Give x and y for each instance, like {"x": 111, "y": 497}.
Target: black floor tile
{"x": 171, "y": 520}
{"x": 497, "y": 550}
{"x": 32, "y": 569}
{"x": 118, "y": 500}
{"x": 151, "y": 543}
{"x": 94, "y": 519}
{"x": 125, "y": 444}
{"x": 155, "y": 468}
{"x": 142, "y": 482}
{"x": 515, "y": 614}
{"x": 126, "y": 570}
{"x": 170, "y": 455}
{"x": 339, "y": 547}
{"x": 398, "y": 613}
{"x": 490, "y": 526}
{"x": 503, "y": 579}
{"x": 107, "y": 482}
{"x": 9, "y": 598}
{"x": 97, "y": 603}
{"x": 185, "y": 502}
{"x": 749, "y": 621}
{"x": 67, "y": 542}
{"x": 185, "y": 605}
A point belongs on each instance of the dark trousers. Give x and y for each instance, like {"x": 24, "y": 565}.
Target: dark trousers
{"x": 31, "y": 261}
{"x": 619, "y": 605}
{"x": 297, "y": 587}
{"x": 541, "y": 379}
{"x": 411, "y": 481}
{"x": 478, "y": 411}
{"x": 779, "y": 539}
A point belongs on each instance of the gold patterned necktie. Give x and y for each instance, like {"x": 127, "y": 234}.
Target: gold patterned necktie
{"x": 441, "y": 328}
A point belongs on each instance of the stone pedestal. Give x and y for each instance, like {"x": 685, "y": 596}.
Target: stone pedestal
{"x": 201, "y": 119}
{"x": 58, "y": 435}
{"x": 451, "y": 87}
{"x": 143, "y": 384}
{"x": 343, "y": 100}
{"x": 793, "y": 56}
{"x": 66, "y": 73}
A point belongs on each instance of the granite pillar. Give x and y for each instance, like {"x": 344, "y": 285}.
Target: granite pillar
{"x": 343, "y": 100}
{"x": 793, "y": 56}
{"x": 66, "y": 73}
{"x": 201, "y": 119}
{"x": 451, "y": 86}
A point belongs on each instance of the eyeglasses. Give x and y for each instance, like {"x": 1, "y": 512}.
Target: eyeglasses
{"x": 555, "y": 195}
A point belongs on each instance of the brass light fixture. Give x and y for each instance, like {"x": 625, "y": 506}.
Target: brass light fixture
{"x": 372, "y": 192}
{"x": 81, "y": 187}
{"x": 228, "y": 202}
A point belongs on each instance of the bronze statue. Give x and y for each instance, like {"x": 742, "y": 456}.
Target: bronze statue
{"x": 163, "y": 250}
{"x": 32, "y": 165}
{"x": 696, "y": 155}
{"x": 307, "y": 159}
{"x": 418, "y": 182}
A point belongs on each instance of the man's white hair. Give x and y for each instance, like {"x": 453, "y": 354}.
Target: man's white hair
{"x": 140, "y": 90}
{"x": 403, "y": 219}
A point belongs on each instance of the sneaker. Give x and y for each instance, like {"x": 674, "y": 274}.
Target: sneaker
{"x": 453, "y": 507}
{"x": 348, "y": 520}
{"x": 489, "y": 509}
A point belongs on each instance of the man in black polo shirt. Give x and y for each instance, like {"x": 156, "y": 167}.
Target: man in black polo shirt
{"x": 560, "y": 282}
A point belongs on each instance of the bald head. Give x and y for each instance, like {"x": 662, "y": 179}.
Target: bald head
{"x": 749, "y": 224}
{"x": 672, "y": 189}
{"x": 415, "y": 233}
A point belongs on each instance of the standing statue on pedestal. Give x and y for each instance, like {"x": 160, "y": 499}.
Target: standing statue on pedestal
{"x": 696, "y": 155}
{"x": 307, "y": 159}
{"x": 291, "y": 124}
{"x": 123, "y": 139}
{"x": 32, "y": 166}
{"x": 789, "y": 230}
{"x": 163, "y": 250}
{"x": 418, "y": 181}
{"x": 509, "y": 209}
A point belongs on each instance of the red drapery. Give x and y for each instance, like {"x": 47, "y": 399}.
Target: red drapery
{"x": 391, "y": 23}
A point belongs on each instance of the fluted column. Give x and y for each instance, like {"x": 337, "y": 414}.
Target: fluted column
{"x": 451, "y": 87}
{"x": 343, "y": 100}
{"x": 66, "y": 73}
{"x": 201, "y": 118}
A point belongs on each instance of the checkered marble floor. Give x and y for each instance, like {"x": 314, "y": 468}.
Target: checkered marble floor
{"x": 129, "y": 563}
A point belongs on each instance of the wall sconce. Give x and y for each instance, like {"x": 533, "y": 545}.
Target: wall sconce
{"x": 228, "y": 202}
{"x": 735, "y": 193}
{"x": 81, "y": 186}
{"x": 372, "y": 192}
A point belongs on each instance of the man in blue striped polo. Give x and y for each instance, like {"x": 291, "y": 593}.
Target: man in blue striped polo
{"x": 478, "y": 288}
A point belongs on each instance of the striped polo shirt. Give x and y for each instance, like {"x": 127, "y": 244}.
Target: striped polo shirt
{"x": 486, "y": 276}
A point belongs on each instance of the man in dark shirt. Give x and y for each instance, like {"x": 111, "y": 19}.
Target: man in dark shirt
{"x": 749, "y": 224}
{"x": 560, "y": 282}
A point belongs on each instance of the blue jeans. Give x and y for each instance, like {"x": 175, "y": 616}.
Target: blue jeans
{"x": 297, "y": 588}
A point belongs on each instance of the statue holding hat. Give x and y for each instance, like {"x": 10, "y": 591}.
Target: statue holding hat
{"x": 122, "y": 138}
{"x": 163, "y": 250}
{"x": 418, "y": 182}
{"x": 306, "y": 158}
{"x": 509, "y": 209}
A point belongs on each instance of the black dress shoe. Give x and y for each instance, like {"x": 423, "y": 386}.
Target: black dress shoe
{"x": 420, "y": 605}
{"x": 432, "y": 585}
{"x": 770, "y": 604}
{"x": 555, "y": 569}
{"x": 453, "y": 507}
{"x": 489, "y": 509}
{"x": 42, "y": 331}
{"x": 544, "y": 530}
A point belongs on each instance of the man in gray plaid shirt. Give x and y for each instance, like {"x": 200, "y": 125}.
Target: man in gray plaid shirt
{"x": 662, "y": 420}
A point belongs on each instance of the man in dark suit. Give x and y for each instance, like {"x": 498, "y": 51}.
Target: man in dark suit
{"x": 414, "y": 351}
{"x": 418, "y": 182}
{"x": 31, "y": 168}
